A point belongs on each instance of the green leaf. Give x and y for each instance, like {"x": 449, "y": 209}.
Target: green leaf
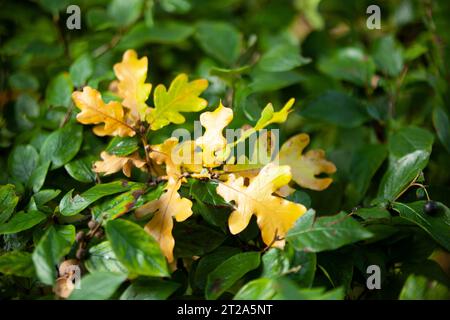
{"x": 17, "y": 263}
{"x": 438, "y": 226}
{"x": 125, "y": 202}
{"x": 81, "y": 69}
{"x": 23, "y": 81}
{"x": 44, "y": 196}
{"x": 53, "y": 245}
{"x": 304, "y": 266}
{"x": 62, "y": 145}
{"x": 125, "y": 12}
{"x": 400, "y": 173}
{"x": 442, "y": 125}
{"x": 205, "y": 192}
{"x": 272, "y": 81}
{"x": 98, "y": 286}
{"x": 22, "y": 221}
{"x": 59, "y": 91}
{"x": 220, "y": 40}
{"x": 21, "y": 163}
{"x": 275, "y": 263}
{"x": 193, "y": 237}
{"x": 81, "y": 169}
{"x": 408, "y": 140}
{"x": 420, "y": 288}
{"x": 258, "y": 289}
{"x": 136, "y": 249}
{"x": 122, "y": 146}
{"x": 349, "y": 64}
{"x": 8, "y": 201}
{"x": 165, "y": 32}
{"x": 388, "y": 55}
{"x": 26, "y": 109}
{"x": 149, "y": 289}
{"x": 365, "y": 162}
{"x": 38, "y": 176}
{"x": 283, "y": 57}
{"x": 325, "y": 233}
{"x": 336, "y": 108}
{"x": 228, "y": 272}
{"x": 70, "y": 206}
{"x": 209, "y": 262}
{"x": 102, "y": 259}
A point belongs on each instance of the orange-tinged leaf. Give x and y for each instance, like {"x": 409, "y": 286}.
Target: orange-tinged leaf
{"x": 131, "y": 87}
{"x": 213, "y": 140}
{"x": 170, "y": 205}
{"x": 112, "y": 164}
{"x": 305, "y": 167}
{"x": 95, "y": 111}
{"x": 182, "y": 96}
{"x": 275, "y": 215}
{"x": 162, "y": 154}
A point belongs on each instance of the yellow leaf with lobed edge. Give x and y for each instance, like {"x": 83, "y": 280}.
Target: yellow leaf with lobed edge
{"x": 182, "y": 96}
{"x": 95, "y": 111}
{"x": 275, "y": 215}
{"x": 131, "y": 87}
{"x": 213, "y": 142}
{"x": 170, "y": 205}
{"x": 111, "y": 164}
{"x": 305, "y": 167}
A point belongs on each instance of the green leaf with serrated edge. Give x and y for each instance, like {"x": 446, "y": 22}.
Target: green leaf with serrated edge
{"x": 17, "y": 263}
{"x": 408, "y": 140}
{"x": 51, "y": 248}
{"x": 22, "y": 221}
{"x": 81, "y": 69}
{"x": 228, "y": 272}
{"x": 136, "y": 249}
{"x": 98, "y": 286}
{"x": 438, "y": 226}
{"x": 325, "y": 233}
{"x": 102, "y": 259}
{"x": 8, "y": 201}
{"x": 149, "y": 289}
{"x": 70, "y": 206}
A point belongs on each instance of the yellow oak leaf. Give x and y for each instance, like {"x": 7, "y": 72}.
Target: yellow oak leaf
{"x": 269, "y": 116}
{"x": 131, "y": 87}
{"x": 305, "y": 167}
{"x": 112, "y": 164}
{"x": 275, "y": 215}
{"x": 163, "y": 154}
{"x": 170, "y": 205}
{"x": 213, "y": 140}
{"x": 182, "y": 96}
{"x": 95, "y": 111}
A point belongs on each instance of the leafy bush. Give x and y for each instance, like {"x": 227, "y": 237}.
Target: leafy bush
{"x": 121, "y": 163}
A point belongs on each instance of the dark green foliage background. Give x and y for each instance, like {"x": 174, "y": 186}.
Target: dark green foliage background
{"x": 377, "y": 101}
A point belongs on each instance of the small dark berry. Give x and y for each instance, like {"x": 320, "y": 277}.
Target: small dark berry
{"x": 98, "y": 234}
{"x": 80, "y": 236}
{"x": 80, "y": 253}
{"x": 92, "y": 224}
{"x": 431, "y": 208}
